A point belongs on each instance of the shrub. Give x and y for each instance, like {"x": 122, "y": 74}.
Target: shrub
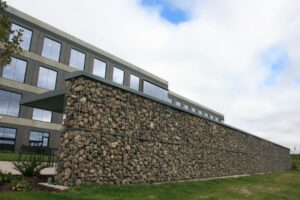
{"x": 31, "y": 168}
{"x": 20, "y": 185}
{"x": 5, "y": 178}
{"x": 294, "y": 166}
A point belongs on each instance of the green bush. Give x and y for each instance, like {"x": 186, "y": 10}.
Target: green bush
{"x": 31, "y": 168}
{"x": 20, "y": 185}
{"x": 5, "y": 178}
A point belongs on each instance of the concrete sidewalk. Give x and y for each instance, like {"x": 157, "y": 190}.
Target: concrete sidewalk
{"x": 8, "y": 167}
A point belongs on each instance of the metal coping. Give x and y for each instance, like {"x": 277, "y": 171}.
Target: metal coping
{"x": 96, "y": 78}
{"x": 76, "y": 40}
{"x": 194, "y": 103}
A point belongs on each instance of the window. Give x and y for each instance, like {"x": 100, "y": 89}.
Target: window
{"x": 38, "y": 139}
{"x": 177, "y": 103}
{"x": 205, "y": 114}
{"x": 7, "y": 135}
{"x": 99, "y": 68}
{"x": 42, "y": 115}
{"x": 9, "y": 103}
{"x": 211, "y": 116}
{"x": 64, "y": 117}
{"x": 186, "y": 107}
{"x": 155, "y": 91}
{"x": 47, "y": 78}
{"x": 200, "y": 112}
{"x": 134, "y": 82}
{"x": 217, "y": 119}
{"x": 193, "y": 110}
{"x": 77, "y": 59}
{"x": 26, "y": 36}
{"x": 15, "y": 70}
{"x": 51, "y": 49}
{"x": 118, "y": 75}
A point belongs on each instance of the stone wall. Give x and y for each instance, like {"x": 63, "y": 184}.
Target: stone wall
{"x": 117, "y": 137}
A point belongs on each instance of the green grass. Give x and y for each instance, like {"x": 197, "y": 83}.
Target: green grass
{"x": 9, "y": 157}
{"x": 275, "y": 186}
{"x": 4, "y": 156}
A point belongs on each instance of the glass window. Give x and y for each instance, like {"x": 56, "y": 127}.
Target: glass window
{"x": 7, "y": 137}
{"x": 134, "y": 82}
{"x": 200, "y": 112}
{"x": 47, "y": 78}
{"x": 211, "y": 116}
{"x": 26, "y": 36}
{"x": 205, "y": 114}
{"x": 9, "y": 103}
{"x": 177, "y": 103}
{"x": 38, "y": 139}
{"x": 15, "y": 70}
{"x": 41, "y": 115}
{"x": 51, "y": 49}
{"x": 155, "y": 91}
{"x": 193, "y": 110}
{"x": 186, "y": 107}
{"x": 118, "y": 75}
{"x": 77, "y": 59}
{"x": 99, "y": 68}
{"x": 217, "y": 119}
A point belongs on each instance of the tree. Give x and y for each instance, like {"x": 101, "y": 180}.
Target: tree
{"x": 12, "y": 45}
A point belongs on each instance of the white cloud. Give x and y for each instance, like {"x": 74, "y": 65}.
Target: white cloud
{"x": 214, "y": 59}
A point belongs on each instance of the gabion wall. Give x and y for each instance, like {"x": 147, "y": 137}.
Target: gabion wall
{"x": 113, "y": 136}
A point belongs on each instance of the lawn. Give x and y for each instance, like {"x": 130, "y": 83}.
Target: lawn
{"x": 4, "y": 156}
{"x": 9, "y": 156}
{"x": 281, "y": 185}
{"x": 274, "y": 186}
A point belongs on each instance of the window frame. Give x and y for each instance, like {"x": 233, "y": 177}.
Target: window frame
{"x": 84, "y": 62}
{"x": 106, "y": 64}
{"x": 21, "y": 95}
{"x": 50, "y": 38}
{"x": 25, "y": 74}
{"x": 123, "y": 79}
{"x": 37, "y": 131}
{"x": 9, "y": 139}
{"x": 55, "y": 79}
{"x": 41, "y": 120}
{"x": 22, "y": 26}
{"x": 139, "y": 85}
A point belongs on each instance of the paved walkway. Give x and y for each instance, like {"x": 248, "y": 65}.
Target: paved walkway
{"x": 6, "y": 167}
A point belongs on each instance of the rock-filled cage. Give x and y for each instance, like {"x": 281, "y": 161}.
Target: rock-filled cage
{"x": 115, "y": 136}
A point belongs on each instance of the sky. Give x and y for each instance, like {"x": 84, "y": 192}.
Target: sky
{"x": 240, "y": 58}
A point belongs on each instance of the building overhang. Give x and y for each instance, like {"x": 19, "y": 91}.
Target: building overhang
{"x": 52, "y": 101}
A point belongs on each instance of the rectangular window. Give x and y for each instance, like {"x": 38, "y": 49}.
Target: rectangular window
{"x": 193, "y": 109}
{"x": 7, "y": 138}
{"x": 51, "y": 49}
{"x": 200, "y": 112}
{"x": 41, "y": 115}
{"x": 39, "y": 139}
{"x": 177, "y": 103}
{"x": 9, "y": 103}
{"x": 205, "y": 114}
{"x": 15, "y": 70}
{"x": 216, "y": 118}
{"x": 77, "y": 59}
{"x": 118, "y": 75}
{"x": 186, "y": 107}
{"x": 134, "y": 82}
{"x": 47, "y": 78}
{"x": 155, "y": 91}
{"x": 211, "y": 116}
{"x": 26, "y": 36}
{"x": 99, "y": 68}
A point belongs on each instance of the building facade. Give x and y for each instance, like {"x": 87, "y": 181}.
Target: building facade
{"x": 48, "y": 55}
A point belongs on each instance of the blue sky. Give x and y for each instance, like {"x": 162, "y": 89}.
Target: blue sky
{"x": 276, "y": 59}
{"x": 168, "y": 11}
